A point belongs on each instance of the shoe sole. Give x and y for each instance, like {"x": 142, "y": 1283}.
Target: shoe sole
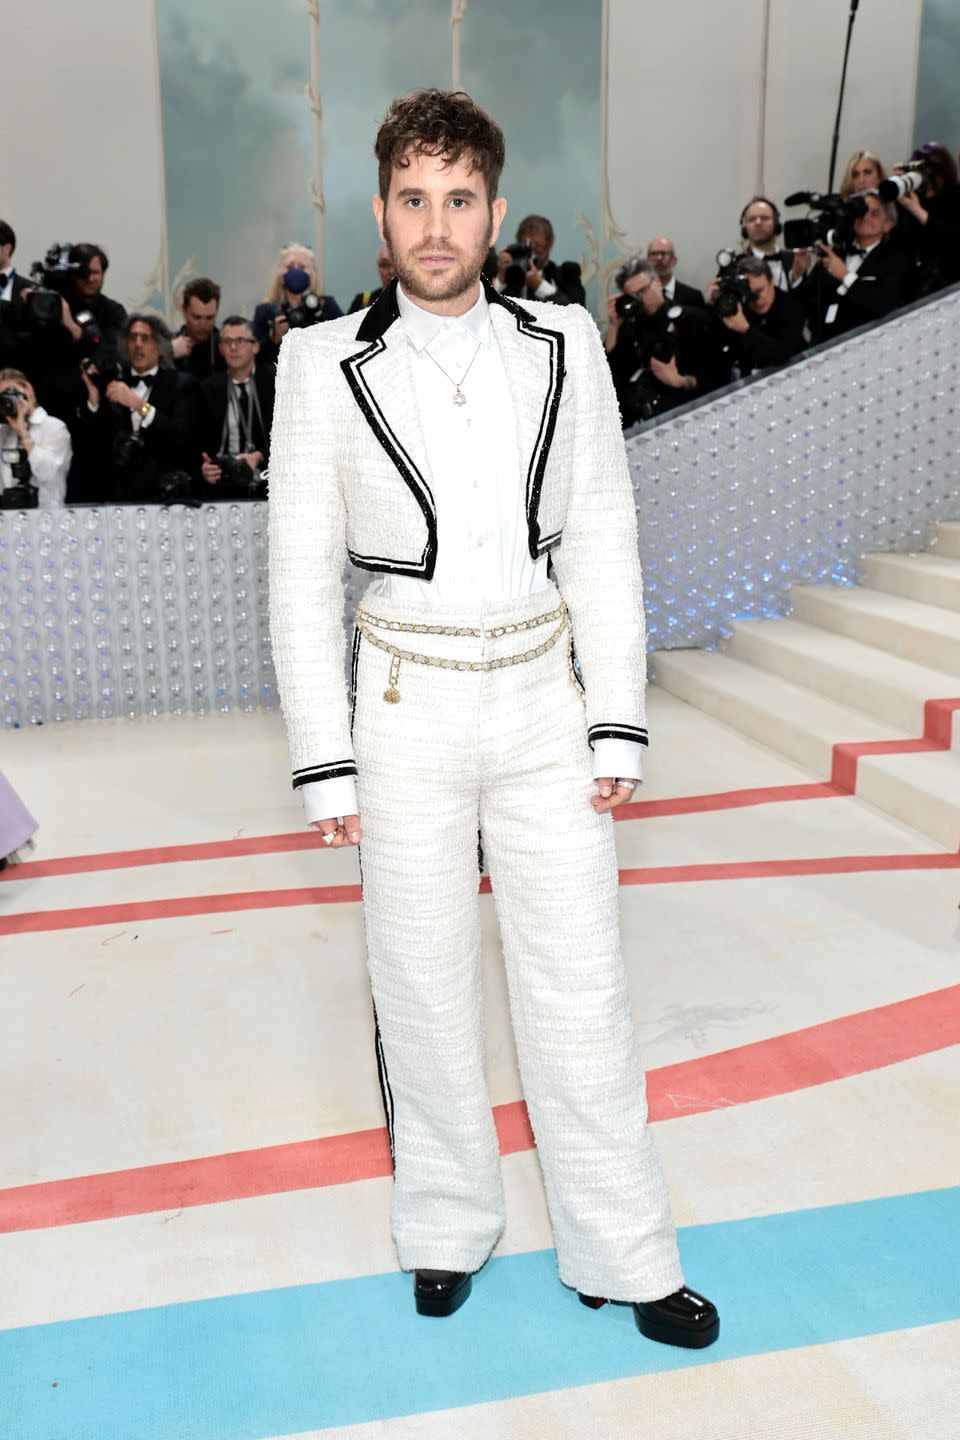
{"x": 439, "y": 1309}
{"x": 673, "y": 1335}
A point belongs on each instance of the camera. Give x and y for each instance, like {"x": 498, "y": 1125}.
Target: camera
{"x": 51, "y": 275}
{"x": 628, "y": 307}
{"x": 8, "y": 402}
{"x": 910, "y": 182}
{"x": 522, "y": 254}
{"x": 237, "y": 480}
{"x": 23, "y": 495}
{"x": 831, "y": 220}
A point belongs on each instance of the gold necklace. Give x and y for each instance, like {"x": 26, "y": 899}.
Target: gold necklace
{"x": 458, "y": 396}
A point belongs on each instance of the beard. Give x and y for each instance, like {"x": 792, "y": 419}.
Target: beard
{"x": 454, "y": 280}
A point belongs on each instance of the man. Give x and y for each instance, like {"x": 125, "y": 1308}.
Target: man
{"x": 526, "y": 270}
{"x": 196, "y": 345}
{"x": 769, "y": 332}
{"x": 363, "y": 298}
{"x": 663, "y": 258}
{"x": 86, "y": 292}
{"x": 34, "y": 446}
{"x": 760, "y": 230}
{"x": 144, "y": 423}
{"x": 860, "y": 282}
{"x": 660, "y": 356}
{"x": 12, "y": 285}
{"x": 451, "y": 443}
{"x": 236, "y": 405}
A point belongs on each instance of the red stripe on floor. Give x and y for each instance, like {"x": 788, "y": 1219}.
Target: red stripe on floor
{"x": 937, "y": 724}
{"x": 129, "y": 912}
{"x": 938, "y": 720}
{"x": 834, "y": 1050}
{"x": 728, "y": 800}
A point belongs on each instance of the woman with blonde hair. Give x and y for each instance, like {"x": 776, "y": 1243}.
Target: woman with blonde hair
{"x": 293, "y": 299}
{"x": 864, "y": 171}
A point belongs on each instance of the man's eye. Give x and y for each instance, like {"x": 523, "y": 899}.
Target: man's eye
{"x": 415, "y": 200}
{"x": 458, "y": 201}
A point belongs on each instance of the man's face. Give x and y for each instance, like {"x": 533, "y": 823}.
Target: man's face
{"x": 200, "y": 317}
{"x": 759, "y": 223}
{"x": 6, "y": 256}
{"x": 385, "y": 266}
{"x": 662, "y": 257}
{"x": 874, "y": 225}
{"x": 238, "y": 348}
{"x": 648, "y": 291}
{"x": 536, "y": 238}
{"x": 142, "y": 348}
{"x": 437, "y": 226}
{"x": 763, "y": 292}
{"x": 93, "y": 283}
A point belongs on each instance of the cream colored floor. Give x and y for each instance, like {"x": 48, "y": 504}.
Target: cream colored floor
{"x": 134, "y": 1044}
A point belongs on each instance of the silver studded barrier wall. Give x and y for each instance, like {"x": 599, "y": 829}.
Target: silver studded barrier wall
{"x": 792, "y": 478}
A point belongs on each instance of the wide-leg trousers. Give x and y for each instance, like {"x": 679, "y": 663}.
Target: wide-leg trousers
{"x": 505, "y": 750}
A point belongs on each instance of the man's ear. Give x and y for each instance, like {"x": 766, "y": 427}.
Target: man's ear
{"x": 378, "y": 213}
{"x": 497, "y": 211}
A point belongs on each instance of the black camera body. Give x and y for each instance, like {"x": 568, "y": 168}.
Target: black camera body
{"x": 52, "y": 276}
{"x": 831, "y": 220}
{"x": 22, "y": 496}
{"x": 8, "y": 402}
{"x": 522, "y": 254}
{"x": 733, "y": 292}
{"x": 237, "y": 480}
{"x": 307, "y": 311}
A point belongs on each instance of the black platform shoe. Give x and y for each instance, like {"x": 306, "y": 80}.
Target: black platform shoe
{"x": 683, "y": 1318}
{"x": 440, "y": 1292}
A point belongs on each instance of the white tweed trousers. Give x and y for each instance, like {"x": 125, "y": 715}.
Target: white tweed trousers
{"x": 506, "y": 751}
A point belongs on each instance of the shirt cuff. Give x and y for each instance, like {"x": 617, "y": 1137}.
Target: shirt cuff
{"x": 846, "y": 283}
{"x": 94, "y": 409}
{"x": 329, "y": 799}
{"x": 544, "y": 290}
{"x": 620, "y": 759}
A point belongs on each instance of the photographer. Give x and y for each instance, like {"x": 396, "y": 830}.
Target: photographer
{"x": 35, "y": 448}
{"x": 526, "y": 270}
{"x": 237, "y": 415}
{"x": 858, "y": 280}
{"x": 142, "y": 419}
{"x": 660, "y": 356}
{"x": 764, "y": 326}
{"x": 196, "y": 349}
{"x": 293, "y": 301}
{"x": 929, "y": 198}
{"x": 760, "y": 230}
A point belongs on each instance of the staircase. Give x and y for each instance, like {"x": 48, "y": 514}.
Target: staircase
{"x": 861, "y": 684}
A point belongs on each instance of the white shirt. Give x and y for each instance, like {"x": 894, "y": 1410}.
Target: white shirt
{"x": 6, "y": 283}
{"x": 853, "y": 263}
{"x": 781, "y": 277}
{"x": 478, "y": 486}
{"x": 141, "y": 388}
{"x": 49, "y": 459}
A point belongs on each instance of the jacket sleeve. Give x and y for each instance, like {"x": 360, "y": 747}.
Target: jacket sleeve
{"x": 597, "y": 563}
{"x": 307, "y": 522}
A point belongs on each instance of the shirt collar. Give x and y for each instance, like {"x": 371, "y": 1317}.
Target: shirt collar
{"x": 422, "y": 326}
{"x": 144, "y": 374}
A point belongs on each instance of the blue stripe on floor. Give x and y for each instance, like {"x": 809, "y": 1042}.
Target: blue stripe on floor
{"x": 244, "y": 1367}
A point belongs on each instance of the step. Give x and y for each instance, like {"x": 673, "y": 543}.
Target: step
{"x": 925, "y": 634}
{"x": 788, "y": 718}
{"x": 884, "y": 686}
{"x": 921, "y": 790}
{"x": 945, "y": 538}
{"x": 931, "y": 579}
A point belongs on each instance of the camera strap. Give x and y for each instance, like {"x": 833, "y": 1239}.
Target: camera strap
{"x": 244, "y": 423}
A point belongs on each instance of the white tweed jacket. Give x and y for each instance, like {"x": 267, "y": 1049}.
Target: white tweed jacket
{"x": 349, "y": 477}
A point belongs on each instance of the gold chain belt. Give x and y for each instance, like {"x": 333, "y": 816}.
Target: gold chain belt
{"x": 365, "y": 622}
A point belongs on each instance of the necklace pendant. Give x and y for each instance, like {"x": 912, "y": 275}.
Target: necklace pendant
{"x": 458, "y": 397}
{"x": 392, "y": 695}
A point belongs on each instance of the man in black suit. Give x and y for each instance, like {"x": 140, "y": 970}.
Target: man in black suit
{"x": 236, "y": 409}
{"x": 768, "y": 331}
{"x": 861, "y": 282}
{"x": 535, "y": 276}
{"x": 141, "y": 426}
{"x": 663, "y": 258}
{"x": 12, "y": 287}
{"x": 196, "y": 345}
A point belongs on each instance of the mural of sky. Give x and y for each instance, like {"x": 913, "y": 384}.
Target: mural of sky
{"x": 238, "y": 131}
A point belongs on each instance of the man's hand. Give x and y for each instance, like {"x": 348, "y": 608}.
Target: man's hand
{"x": 712, "y": 290}
{"x": 832, "y": 263}
{"x": 802, "y": 261}
{"x": 667, "y": 372}
{"x": 252, "y": 457}
{"x": 737, "y": 321}
{"x": 88, "y": 373}
{"x": 120, "y": 393}
{"x": 182, "y": 346}
{"x": 68, "y": 322}
{"x": 345, "y": 832}
{"x": 210, "y": 471}
{"x": 611, "y": 793}
{"x": 534, "y": 277}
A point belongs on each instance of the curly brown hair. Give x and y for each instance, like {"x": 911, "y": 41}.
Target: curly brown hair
{"x": 446, "y": 123}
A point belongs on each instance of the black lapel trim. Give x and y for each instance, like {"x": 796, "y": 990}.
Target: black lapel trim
{"x": 376, "y": 322}
{"x": 386, "y": 1093}
{"x": 354, "y": 663}
{"x": 556, "y": 340}
{"x": 323, "y": 772}
{"x": 617, "y": 732}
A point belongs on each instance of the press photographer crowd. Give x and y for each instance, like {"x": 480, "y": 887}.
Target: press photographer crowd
{"x": 100, "y": 405}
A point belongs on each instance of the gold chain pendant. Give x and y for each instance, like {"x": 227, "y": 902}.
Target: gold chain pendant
{"x": 392, "y": 694}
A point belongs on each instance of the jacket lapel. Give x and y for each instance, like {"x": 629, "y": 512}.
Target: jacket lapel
{"x": 533, "y": 357}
